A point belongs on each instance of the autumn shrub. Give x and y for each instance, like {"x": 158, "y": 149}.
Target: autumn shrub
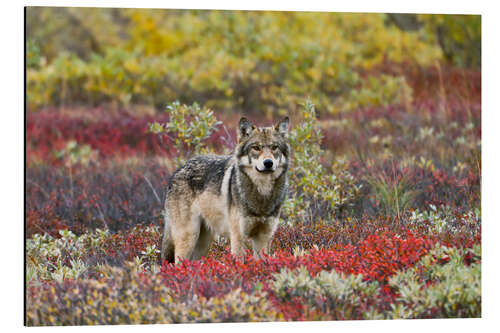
{"x": 114, "y": 197}
{"x": 111, "y": 173}
{"x": 68, "y": 255}
{"x": 377, "y": 258}
{"x": 226, "y": 60}
{"x": 131, "y": 297}
{"x": 104, "y": 247}
{"x": 375, "y": 279}
{"x": 112, "y": 135}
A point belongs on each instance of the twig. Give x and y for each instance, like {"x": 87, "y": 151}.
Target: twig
{"x": 163, "y": 145}
{"x": 41, "y": 188}
{"x": 40, "y": 227}
{"x": 229, "y": 142}
{"x": 101, "y": 216}
{"x": 152, "y": 188}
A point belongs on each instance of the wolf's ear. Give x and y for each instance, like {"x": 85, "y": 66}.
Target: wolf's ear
{"x": 245, "y": 128}
{"x": 282, "y": 126}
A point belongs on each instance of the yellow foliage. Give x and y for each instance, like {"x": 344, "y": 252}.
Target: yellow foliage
{"x": 230, "y": 60}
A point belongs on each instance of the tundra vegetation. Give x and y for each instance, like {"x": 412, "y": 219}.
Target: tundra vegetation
{"x": 383, "y": 215}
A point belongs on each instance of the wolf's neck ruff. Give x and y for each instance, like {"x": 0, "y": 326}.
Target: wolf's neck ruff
{"x": 261, "y": 165}
{"x": 260, "y": 199}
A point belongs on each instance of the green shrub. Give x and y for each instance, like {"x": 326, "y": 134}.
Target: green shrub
{"x": 441, "y": 219}
{"x": 459, "y": 37}
{"x": 68, "y": 257}
{"x": 32, "y": 54}
{"x": 128, "y": 296}
{"x": 55, "y": 259}
{"x": 333, "y": 295}
{"x": 383, "y": 90}
{"x": 440, "y": 290}
{"x": 315, "y": 191}
{"x": 394, "y": 195}
{"x": 188, "y": 127}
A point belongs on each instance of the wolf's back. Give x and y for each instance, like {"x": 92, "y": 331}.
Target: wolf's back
{"x": 198, "y": 174}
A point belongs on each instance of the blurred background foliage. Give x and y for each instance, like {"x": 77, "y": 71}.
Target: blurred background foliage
{"x": 239, "y": 61}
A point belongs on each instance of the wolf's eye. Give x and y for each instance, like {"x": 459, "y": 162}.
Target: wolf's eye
{"x": 274, "y": 147}
{"x": 256, "y": 148}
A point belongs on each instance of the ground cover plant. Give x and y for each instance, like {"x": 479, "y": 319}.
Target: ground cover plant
{"x": 383, "y": 215}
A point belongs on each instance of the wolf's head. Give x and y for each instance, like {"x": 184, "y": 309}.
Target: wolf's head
{"x": 263, "y": 150}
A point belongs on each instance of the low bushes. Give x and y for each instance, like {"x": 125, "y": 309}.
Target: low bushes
{"x": 385, "y": 276}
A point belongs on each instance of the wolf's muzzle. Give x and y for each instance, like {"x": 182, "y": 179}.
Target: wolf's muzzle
{"x": 268, "y": 164}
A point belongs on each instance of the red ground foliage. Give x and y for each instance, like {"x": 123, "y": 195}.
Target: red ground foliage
{"x": 376, "y": 258}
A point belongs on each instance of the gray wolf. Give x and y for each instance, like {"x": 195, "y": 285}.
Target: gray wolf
{"x": 238, "y": 196}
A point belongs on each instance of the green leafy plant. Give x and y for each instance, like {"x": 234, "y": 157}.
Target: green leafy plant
{"x": 441, "y": 219}
{"x": 313, "y": 188}
{"x": 335, "y": 295}
{"x": 382, "y": 90}
{"x": 454, "y": 287}
{"x": 33, "y": 57}
{"x": 394, "y": 195}
{"x": 189, "y": 127}
{"x": 74, "y": 154}
{"x": 459, "y": 37}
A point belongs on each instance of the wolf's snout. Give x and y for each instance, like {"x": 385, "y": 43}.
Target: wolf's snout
{"x": 268, "y": 163}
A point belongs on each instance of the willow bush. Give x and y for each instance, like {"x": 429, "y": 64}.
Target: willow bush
{"x": 227, "y": 60}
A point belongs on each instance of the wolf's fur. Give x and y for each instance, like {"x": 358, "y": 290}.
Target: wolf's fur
{"x": 238, "y": 196}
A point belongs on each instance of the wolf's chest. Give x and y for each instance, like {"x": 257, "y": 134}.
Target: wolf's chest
{"x": 213, "y": 209}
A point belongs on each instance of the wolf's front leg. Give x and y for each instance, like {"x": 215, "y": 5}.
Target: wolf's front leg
{"x": 261, "y": 240}
{"x": 237, "y": 240}
{"x": 237, "y": 248}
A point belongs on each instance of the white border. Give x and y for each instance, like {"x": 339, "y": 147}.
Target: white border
{"x": 422, "y": 6}
{"x": 12, "y": 167}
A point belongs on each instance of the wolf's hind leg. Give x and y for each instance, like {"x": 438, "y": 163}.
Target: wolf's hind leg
{"x": 167, "y": 244}
{"x": 203, "y": 243}
{"x": 186, "y": 235}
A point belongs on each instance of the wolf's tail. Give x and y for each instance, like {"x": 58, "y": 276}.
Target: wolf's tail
{"x": 167, "y": 245}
